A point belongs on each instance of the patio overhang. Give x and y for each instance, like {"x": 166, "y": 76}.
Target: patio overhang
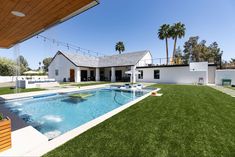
{"x": 22, "y": 19}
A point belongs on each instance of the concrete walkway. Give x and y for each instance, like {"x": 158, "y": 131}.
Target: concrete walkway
{"x": 7, "y": 84}
{"x": 225, "y": 90}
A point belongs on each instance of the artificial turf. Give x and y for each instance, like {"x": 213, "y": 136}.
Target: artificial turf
{"x": 187, "y": 121}
{"x": 8, "y": 90}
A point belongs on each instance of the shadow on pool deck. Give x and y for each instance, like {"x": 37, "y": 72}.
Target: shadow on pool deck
{"x": 16, "y": 122}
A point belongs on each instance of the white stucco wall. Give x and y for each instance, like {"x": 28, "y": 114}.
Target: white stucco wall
{"x": 198, "y": 66}
{"x": 147, "y": 59}
{"x": 4, "y": 79}
{"x": 224, "y": 74}
{"x": 211, "y": 74}
{"x": 176, "y": 75}
{"x": 63, "y": 65}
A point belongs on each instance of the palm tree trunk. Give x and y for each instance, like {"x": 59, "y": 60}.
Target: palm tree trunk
{"x": 167, "y": 52}
{"x": 174, "y": 51}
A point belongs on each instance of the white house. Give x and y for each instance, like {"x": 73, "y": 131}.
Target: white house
{"x": 77, "y": 68}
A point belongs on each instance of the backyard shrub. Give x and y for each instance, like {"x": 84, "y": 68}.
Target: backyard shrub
{"x": 1, "y": 116}
{"x": 7, "y": 67}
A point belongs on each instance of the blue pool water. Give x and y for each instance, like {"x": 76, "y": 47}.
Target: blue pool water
{"x": 53, "y": 115}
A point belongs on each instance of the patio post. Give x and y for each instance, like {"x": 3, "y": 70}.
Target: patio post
{"x": 97, "y": 74}
{"x": 113, "y": 77}
{"x": 78, "y": 74}
{"x": 133, "y": 75}
{"x": 88, "y": 73}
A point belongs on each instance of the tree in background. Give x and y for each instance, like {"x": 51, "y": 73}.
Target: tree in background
{"x": 23, "y": 64}
{"x": 120, "y": 47}
{"x": 164, "y": 34}
{"x": 189, "y": 49}
{"x": 7, "y": 67}
{"x": 46, "y": 62}
{"x": 177, "y": 31}
{"x": 23, "y": 61}
{"x": 178, "y": 56}
{"x": 232, "y": 61}
{"x": 216, "y": 53}
{"x": 198, "y": 51}
{"x": 228, "y": 64}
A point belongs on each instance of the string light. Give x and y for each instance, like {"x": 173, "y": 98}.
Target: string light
{"x": 77, "y": 49}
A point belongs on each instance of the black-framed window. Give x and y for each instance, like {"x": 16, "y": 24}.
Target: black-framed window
{"x": 56, "y": 72}
{"x": 156, "y": 74}
{"x": 140, "y": 76}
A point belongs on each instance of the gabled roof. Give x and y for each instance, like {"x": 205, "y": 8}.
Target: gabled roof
{"x": 81, "y": 60}
{"x": 125, "y": 59}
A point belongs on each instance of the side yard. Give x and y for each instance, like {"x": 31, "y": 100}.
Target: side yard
{"x": 9, "y": 90}
{"x": 185, "y": 121}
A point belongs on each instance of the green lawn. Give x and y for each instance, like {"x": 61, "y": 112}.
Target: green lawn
{"x": 8, "y": 90}
{"x": 187, "y": 121}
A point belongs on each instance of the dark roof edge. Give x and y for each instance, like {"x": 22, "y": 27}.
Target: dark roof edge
{"x": 58, "y": 53}
{"x": 169, "y": 66}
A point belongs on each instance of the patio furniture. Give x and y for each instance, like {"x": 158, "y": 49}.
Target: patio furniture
{"x": 226, "y": 82}
{"x": 200, "y": 81}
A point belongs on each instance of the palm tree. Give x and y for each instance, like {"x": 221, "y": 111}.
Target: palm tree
{"x": 177, "y": 31}
{"x": 164, "y": 34}
{"x": 120, "y": 47}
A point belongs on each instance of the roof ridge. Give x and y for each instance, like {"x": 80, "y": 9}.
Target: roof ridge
{"x": 125, "y": 59}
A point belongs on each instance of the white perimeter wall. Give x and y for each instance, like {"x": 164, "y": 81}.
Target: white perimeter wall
{"x": 176, "y": 75}
{"x": 63, "y": 65}
{"x": 224, "y": 74}
{"x": 4, "y": 79}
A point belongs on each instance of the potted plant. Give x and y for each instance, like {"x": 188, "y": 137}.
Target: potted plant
{"x": 5, "y": 133}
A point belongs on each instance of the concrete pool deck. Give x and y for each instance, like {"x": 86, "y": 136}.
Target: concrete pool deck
{"x": 27, "y": 141}
{"x": 23, "y": 141}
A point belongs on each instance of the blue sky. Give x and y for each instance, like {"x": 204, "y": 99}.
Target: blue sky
{"x": 135, "y": 22}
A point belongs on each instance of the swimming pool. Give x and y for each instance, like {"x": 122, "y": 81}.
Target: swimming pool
{"x": 55, "y": 114}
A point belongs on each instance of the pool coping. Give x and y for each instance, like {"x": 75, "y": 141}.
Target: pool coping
{"x": 58, "y": 141}
{"x": 15, "y": 96}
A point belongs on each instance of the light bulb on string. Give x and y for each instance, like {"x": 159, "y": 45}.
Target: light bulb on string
{"x": 68, "y": 46}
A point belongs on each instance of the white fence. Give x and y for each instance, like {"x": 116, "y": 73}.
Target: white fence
{"x": 4, "y": 79}
{"x": 224, "y": 74}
